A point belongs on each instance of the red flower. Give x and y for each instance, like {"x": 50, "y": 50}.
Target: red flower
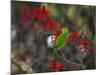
{"x": 72, "y": 37}
{"x": 57, "y": 33}
{"x": 86, "y": 45}
{"x": 74, "y": 34}
{"x": 50, "y": 24}
{"x": 40, "y": 14}
{"x": 56, "y": 66}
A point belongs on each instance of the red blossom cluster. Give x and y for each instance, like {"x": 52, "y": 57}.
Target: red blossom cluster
{"x": 75, "y": 38}
{"x": 86, "y": 45}
{"x": 56, "y": 66}
{"x": 41, "y": 15}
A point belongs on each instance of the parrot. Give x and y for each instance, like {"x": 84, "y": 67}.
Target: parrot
{"x": 62, "y": 38}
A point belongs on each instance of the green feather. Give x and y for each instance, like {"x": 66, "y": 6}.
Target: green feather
{"x": 62, "y": 38}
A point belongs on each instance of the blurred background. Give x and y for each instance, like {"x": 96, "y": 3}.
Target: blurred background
{"x": 30, "y": 52}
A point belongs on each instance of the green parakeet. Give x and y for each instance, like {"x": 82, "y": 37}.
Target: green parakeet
{"x": 62, "y": 38}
